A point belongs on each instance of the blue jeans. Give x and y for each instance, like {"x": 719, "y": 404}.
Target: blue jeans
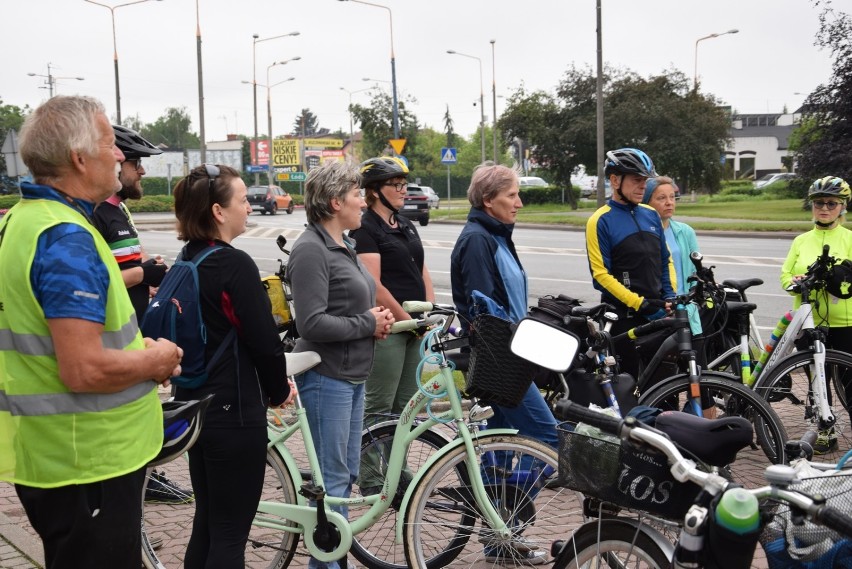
{"x": 532, "y": 418}
{"x": 335, "y": 410}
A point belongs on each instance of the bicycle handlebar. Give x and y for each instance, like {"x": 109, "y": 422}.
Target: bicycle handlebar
{"x": 415, "y": 323}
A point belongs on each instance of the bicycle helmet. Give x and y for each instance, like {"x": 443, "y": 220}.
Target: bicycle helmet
{"x": 381, "y": 169}
{"x": 629, "y": 161}
{"x": 830, "y": 186}
{"x": 132, "y": 144}
{"x": 182, "y": 422}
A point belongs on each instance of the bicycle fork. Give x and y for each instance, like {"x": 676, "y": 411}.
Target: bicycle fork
{"x": 819, "y": 387}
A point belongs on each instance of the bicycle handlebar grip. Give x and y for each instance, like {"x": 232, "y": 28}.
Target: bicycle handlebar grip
{"x": 577, "y": 413}
{"x": 835, "y": 519}
{"x": 416, "y": 306}
{"x": 404, "y": 325}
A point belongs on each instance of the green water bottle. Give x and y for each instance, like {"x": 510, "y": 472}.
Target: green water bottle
{"x": 738, "y": 511}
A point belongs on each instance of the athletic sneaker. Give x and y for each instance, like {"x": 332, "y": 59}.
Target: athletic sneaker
{"x": 508, "y": 557}
{"x": 161, "y": 490}
{"x": 826, "y": 441}
{"x": 516, "y": 542}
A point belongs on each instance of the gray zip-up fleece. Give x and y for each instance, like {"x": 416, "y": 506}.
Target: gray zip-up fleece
{"x": 333, "y": 294}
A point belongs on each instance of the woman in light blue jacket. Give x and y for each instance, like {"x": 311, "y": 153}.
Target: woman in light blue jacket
{"x": 660, "y": 194}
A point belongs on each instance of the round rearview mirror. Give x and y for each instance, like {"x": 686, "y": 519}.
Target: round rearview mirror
{"x": 550, "y": 347}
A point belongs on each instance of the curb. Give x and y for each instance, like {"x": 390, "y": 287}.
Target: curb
{"x": 28, "y": 546}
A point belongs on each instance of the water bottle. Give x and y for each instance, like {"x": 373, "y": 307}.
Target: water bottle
{"x": 738, "y": 511}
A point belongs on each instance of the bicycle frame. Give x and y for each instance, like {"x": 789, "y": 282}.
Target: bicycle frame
{"x": 277, "y": 515}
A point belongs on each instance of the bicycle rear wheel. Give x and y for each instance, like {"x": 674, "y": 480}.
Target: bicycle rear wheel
{"x": 376, "y": 546}
{"x": 730, "y": 398}
{"x": 171, "y": 523}
{"x": 443, "y": 525}
{"x": 611, "y": 543}
{"x": 788, "y": 389}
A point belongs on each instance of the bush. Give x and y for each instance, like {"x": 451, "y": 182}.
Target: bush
{"x": 549, "y": 195}
{"x": 151, "y": 204}
{"x": 8, "y": 201}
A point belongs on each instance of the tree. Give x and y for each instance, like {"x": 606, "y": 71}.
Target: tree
{"x": 307, "y": 124}
{"x": 376, "y": 122}
{"x": 823, "y": 140}
{"x": 11, "y": 118}
{"x": 448, "y": 128}
{"x": 684, "y": 132}
{"x": 172, "y": 130}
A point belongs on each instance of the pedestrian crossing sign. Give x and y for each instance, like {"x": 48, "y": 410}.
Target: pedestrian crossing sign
{"x": 448, "y": 156}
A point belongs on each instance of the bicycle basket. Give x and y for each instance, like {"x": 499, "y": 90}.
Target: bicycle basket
{"x": 280, "y": 308}
{"x": 789, "y": 544}
{"x": 495, "y": 374}
{"x": 623, "y": 475}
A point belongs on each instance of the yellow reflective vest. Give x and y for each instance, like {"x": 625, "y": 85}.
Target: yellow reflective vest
{"x": 50, "y": 436}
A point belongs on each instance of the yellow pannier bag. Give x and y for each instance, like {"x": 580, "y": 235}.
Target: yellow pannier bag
{"x": 280, "y": 308}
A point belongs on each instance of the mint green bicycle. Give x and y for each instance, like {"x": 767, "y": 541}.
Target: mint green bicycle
{"x": 482, "y": 497}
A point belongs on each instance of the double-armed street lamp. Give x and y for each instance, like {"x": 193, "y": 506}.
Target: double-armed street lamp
{"x": 51, "y": 79}
{"x": 112, "y": 10}
{"x": 393, "y": 64}
{"x": 351, "y": 125}
{"x": 256, "y": 40}
{"x": 481, "y": 100}
{"x": 695, "y": 79}
{"x": 269, "y": 87}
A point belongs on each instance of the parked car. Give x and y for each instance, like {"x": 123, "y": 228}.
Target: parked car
{"x": 416, "y": 205}
{"x": 590, "y": 189}
{"x": 270, "y": 199}
{"x": 532, "y": 181}
{"x": 434, "y": 199}
{"x": 772, "y": 178}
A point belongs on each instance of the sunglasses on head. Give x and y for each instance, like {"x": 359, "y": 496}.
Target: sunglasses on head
{"x": 212, "y": 173}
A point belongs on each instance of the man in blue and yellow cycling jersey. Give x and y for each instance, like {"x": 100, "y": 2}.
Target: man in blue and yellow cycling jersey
{"x": 628, "y": 256}
{"x": 79, "y": 412}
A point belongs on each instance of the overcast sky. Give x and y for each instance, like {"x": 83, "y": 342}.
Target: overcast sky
{"x": 758, "y": 70}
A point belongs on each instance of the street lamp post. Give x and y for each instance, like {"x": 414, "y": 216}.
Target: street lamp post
{"x": 51, "y": 79}
{"x": 351, "y": 125}
{"x": 481, "y": 101}
{"x": 695, "y": 79}
{"x": 112, "y": 10}
{"x": 201, "y": 134}
{"x": 393, "y": 64}
{"x": 257, "y": 40}
{"x": 494, "y": 100}
{"x": 269, "y": 87}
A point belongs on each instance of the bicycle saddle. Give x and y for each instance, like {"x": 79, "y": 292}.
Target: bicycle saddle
{"x": 299, "y": 362}
{"x": 735, "y": 307}
{"x": 713, "y": 441}
{"x": 742, "y": 284}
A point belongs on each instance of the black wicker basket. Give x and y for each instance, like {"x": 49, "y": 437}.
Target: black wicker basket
{"x": 495, "y": 374}
{"x": 621, "y": 474}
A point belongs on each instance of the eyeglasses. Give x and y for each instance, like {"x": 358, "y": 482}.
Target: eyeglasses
{"x": 820, "y": 204}
{"x": 212, "y": 173}
{"x": 137, "y": 164}
{"x": 400, "y": 186}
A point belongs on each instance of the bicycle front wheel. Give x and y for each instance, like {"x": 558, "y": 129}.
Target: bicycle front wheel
{"x": 611, "y": 543}
{"x": 167, "y": 524}
{"x": 443, "y": 523}
{"x": 376, "y": 546}
{"x": 788, "y": 388}
{"x": 730, "y": 399}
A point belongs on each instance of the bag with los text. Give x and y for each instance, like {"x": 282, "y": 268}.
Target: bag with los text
{"x": 175, "y": 314}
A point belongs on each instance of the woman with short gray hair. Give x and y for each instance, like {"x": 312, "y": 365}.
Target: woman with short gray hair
{"x": 338, "y": 319}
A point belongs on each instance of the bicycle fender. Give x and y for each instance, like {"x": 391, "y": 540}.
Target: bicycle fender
{"x": 566, "y": 554}
{"x": 400, "y": 519}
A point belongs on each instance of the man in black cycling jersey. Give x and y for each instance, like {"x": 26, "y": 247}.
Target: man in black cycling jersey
{"x": 628, "y": 256}
{"x": 112, "y": 220}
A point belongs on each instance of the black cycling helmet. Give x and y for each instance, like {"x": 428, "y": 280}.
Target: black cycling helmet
{"x": 629, "y": 161}
{"x": 381, "y": 169}
{"x": 182, "y": 422}
{"x": 830, "y": 186}
{"x": 132, "y": 145}
{"x": 839, "y": 281}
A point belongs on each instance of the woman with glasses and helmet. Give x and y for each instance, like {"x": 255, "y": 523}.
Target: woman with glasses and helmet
{"x": 389, "y": 247}
{"x": 228, "y": 461}
{"x": 628, "y": 256}
{"x": 828, "y": 197}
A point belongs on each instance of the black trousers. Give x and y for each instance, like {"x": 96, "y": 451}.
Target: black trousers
{"x": 227, "y": 468}
{"x": 88, "y": 525}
